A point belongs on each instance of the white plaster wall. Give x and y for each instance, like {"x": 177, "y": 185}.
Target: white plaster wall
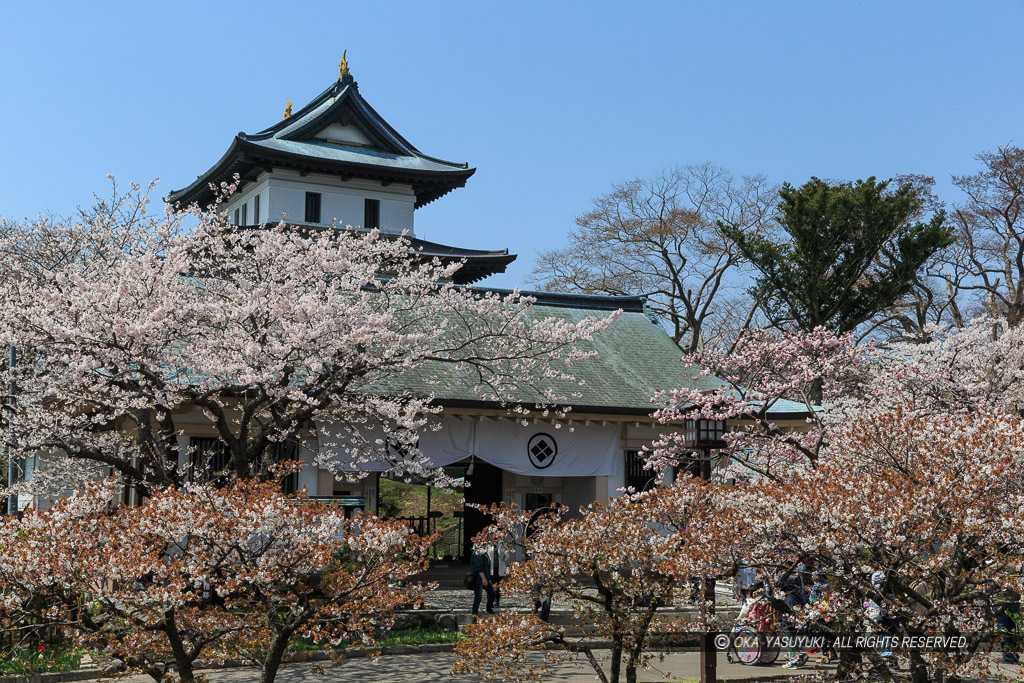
{"x": 309, "y": 476}
{"x": 336, "y": 131}
{"x": 396, "y": 216}
{"x": 617, "y": 481}
{"x": 579, "y": 492}
{"x": 341, "y": 201}
{"x": 340, "y": 207}
{"x": 285, "y": 203}
{"x": 246, "y": 197}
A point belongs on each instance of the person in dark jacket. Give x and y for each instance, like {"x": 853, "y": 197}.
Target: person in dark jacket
{"x": 480, "y": 568}
{"x": 1007, "y": 606}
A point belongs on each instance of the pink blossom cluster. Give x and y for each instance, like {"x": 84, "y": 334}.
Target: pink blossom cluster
{"x": 130, "y": 327}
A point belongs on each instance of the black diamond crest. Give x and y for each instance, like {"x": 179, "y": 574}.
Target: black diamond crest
{"x": 542, "y": 450}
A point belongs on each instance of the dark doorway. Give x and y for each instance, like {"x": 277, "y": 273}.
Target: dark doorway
{"x": 536, "y": 501}
{"x": 484, "y": 488}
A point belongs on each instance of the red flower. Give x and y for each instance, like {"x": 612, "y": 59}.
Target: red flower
{"x": 41, "y": 648}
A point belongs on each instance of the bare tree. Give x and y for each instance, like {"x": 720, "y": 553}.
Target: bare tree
{"x": 660, "y": 237}
{"x": 735, "y": 311}
{"x": 990, "y": 232}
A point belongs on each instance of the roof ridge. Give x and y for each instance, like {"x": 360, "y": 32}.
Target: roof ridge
{"x": 629, "y": 304}
{"x": 290, "y": 143}
{"x": 309, "y": 106}
{"x": 379, "y": 122}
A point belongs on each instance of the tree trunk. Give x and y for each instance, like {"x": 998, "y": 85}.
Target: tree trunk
{"x": 640, "y": 639}
{"x": 181, "y": 658}
{"x": 816, "y": 391}
{"x": 272, "y": 664}
{"x": 595, "y": 664}
{"x": 616, "y": 667}
{"x": 918, "y": 669}
{"x": 847, "y": 664}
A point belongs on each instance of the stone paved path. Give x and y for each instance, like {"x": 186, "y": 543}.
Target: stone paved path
{"x": 434, "y": 668}
{"x": 458, "y": 598}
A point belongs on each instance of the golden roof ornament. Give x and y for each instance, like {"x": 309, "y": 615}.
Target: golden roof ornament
{"x": 287, "y": 108}
{"x": 343, "y": 65}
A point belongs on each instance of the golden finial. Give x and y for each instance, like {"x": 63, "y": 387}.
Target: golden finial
{"x": 288, "y": 108}
{"x": 343, "y": 65}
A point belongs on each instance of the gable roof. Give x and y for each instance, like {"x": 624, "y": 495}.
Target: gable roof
{"x": 375, "y": 151}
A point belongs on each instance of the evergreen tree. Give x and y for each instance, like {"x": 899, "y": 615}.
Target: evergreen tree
{"x": 849, "y": 251}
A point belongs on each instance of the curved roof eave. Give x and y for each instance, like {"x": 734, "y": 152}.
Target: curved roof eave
{"x": 200, "y": 186}
{"x": 243, "y": 155}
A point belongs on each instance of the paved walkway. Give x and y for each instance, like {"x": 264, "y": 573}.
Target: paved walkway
{"x": 453, "y": 596}
{"x": 434, "y": 668}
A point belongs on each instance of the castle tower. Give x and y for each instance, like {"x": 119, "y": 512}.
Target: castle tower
{"x": 337, "y": 162}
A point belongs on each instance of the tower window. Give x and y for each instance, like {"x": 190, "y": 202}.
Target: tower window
{"x": 371, "y": 213}
{"x": 256, "y": 210}
{"x": 245, "y": 214}
{"x": 312, "y": 207}
{"x": 236, "y": 217}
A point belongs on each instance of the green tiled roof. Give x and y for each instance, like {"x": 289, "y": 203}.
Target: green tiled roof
{"x": 290, "y": 143}
{"x": 635, "y": 358}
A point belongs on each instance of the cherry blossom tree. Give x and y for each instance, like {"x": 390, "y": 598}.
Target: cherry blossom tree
{"x": 206, "y": 573}
{"x": 830, "y": 380}
{"x": 918, "y": 515}
{"x": 908, "y": 467}
{"x": 141, "y": 322}
{"x": 111, "y": 584}
{"x": 976, "y": 366}
{"x": 617, "y": 563}
{"x": 768, "y": 372}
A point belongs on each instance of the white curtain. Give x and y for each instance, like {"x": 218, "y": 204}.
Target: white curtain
{"x": 534, "y": 449}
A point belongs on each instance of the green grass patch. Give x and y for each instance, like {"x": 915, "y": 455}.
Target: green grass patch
{"x": 401, "y": 499}
{"x": 398, "y": 499}
{"x": 422, "y": 636}
{"x": 38, "y": 660}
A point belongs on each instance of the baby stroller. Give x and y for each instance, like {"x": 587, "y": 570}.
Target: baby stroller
{"x": 747, "y": 641}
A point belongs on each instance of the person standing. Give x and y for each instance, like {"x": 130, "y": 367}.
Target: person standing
{"x": 1007, "y": 605}
{"x": 502, "y": 559}
{"x": 747, "y": 577}
{"x": 795, "y": 599}
{"x": 480, "y": 569}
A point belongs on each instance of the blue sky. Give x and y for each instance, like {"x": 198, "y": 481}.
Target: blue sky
{"x": 552, "y": 102}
